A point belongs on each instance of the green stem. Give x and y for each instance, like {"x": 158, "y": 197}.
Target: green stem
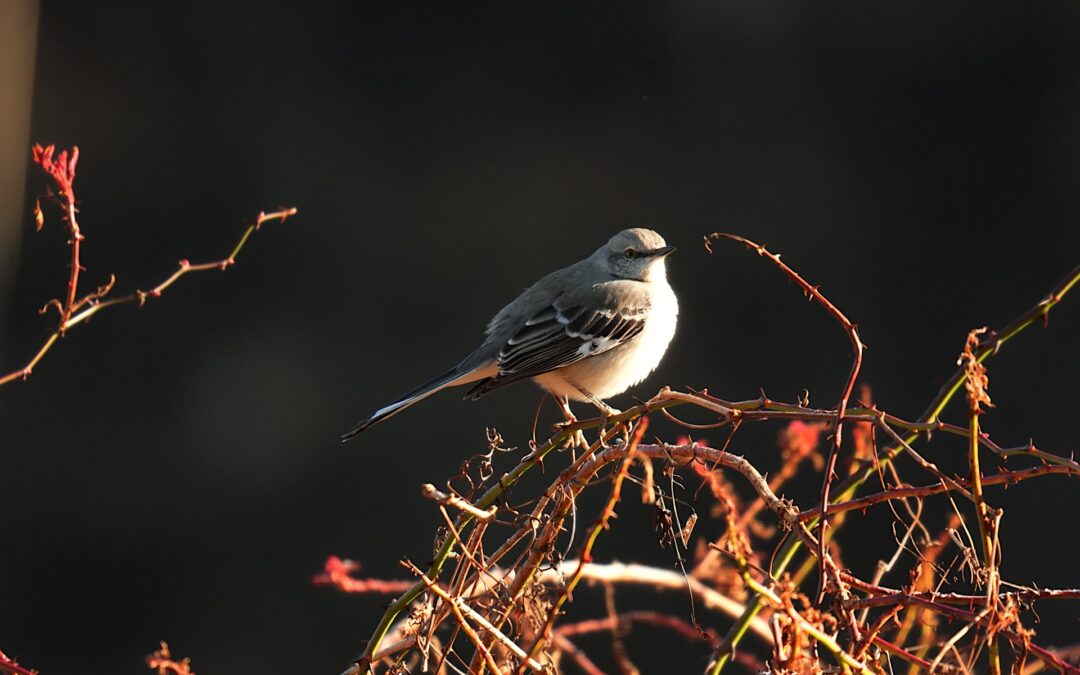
{"x": 984, "y": 528}
{"x": 753, "y": 608}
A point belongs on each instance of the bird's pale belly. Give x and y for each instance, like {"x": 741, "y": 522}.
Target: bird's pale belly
{"x": 618, "y": 369}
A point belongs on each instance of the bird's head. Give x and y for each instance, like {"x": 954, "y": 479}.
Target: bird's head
{"x": 637, "y": 253}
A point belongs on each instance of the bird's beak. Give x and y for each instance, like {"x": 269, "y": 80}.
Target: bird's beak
{"x": 662, "y": 252}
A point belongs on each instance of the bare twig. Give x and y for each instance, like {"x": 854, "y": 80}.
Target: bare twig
{"x": 826, "y": 641}
{"x": 659, "y": 619}
{"x": 653, "y": 577}
{"x": 163, "y": 662}
{"x": 975, "y": 382}
{"x": 1002, "y": 478}
{"x": 563, "y": 645}
{"x": 7, "y": 665}
{"x": 431, "y": 492}
{"x": 857, "y": 346}
{"x": 338, "y": 573}
{"x": 75, "y": 310}
{"x": 459, "y": 605}
{"x": 606, "y": 515}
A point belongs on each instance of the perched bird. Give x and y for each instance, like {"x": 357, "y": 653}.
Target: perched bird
{"x": 586, "y": 332}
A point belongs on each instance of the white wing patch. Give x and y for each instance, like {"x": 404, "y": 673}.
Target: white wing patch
{"x": 555, "y": 337}
{"x": 597, "y": 345}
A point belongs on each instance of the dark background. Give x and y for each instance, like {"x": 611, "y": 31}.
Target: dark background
{"x": 173, "y": 472}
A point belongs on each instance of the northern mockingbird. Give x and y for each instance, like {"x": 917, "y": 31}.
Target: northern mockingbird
{"x": 586, "y": 332}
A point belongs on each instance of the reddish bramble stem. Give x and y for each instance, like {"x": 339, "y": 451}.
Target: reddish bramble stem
{"x": 76, "y": 310}
{"x": 11, "y": 668}
{"x": 857, "y": 346}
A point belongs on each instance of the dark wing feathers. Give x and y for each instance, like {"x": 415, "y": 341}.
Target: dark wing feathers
{"x": 560, "y": 334}
{"x": 544, "y": 315}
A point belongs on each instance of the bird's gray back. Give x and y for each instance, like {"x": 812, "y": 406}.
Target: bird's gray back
{"x": 584, "y": 283}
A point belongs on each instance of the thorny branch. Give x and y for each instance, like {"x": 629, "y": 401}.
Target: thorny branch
{"x": 814, "y": 293}
{"x": 783, "y": 557}
{"x": 339, "y": 573}
{"x": 10, "y": 667}
{"x": 74, "y": 310}
{"x": 502, "y": 607}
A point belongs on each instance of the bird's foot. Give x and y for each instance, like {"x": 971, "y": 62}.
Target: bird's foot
{"x": 576, "y": 439}
{"x": 606, "y": 411}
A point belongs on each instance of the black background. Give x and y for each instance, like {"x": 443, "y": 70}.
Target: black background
{"x": 174, "y": 472}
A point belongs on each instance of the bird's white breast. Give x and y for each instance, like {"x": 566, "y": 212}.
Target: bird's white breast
{"x": 618, "y": 369}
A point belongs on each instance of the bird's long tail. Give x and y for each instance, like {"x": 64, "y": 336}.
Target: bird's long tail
{"x": 450, "y": 378}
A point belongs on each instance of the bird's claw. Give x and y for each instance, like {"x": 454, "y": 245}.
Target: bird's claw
{"x": 576, "y": 439}
{"x": 607, "y": 411}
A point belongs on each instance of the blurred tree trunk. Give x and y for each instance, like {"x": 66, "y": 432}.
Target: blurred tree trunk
{"x": 18, "y": 40}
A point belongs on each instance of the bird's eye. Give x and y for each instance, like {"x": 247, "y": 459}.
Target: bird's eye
{"x": 630, "y": 253}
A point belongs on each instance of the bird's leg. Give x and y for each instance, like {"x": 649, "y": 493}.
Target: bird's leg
{"x": 564, "y": 406}
{"x": 606, "y": 411}
{"x": 604, "y": 408}
{"x": 576, "y": 439}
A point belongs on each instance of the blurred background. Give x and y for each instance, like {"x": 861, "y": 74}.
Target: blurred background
{"x": 173, "y": 472}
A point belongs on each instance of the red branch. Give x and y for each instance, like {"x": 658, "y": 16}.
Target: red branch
{"x": 857, "y": 346}
{"x": 585, "y": 556}
{"x": 674, "y": 623}
{"x": 75, "y": 310}
{"x": 1002, "y": 478}
{"x": 885, "y": 597}
{"x": 62, "y": 170}
{"x": 896, "y": 650}
{"x": 9, "y": 666}
{"x": 928, "y": 601}
{"x": 338, "y": 573}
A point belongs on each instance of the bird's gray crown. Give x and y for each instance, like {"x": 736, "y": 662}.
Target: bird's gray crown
{"x": 637, "y": 253}
{"x": 638, "y": 238}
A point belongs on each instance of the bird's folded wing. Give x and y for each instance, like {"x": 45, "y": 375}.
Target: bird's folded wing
{"x": 563, "y": 332}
